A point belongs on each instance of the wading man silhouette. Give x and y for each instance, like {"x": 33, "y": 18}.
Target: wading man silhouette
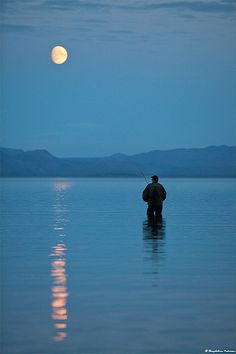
{"x": 154, "y": 194}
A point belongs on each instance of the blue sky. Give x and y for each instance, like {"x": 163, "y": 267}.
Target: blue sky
{"x": 141, "y": 75}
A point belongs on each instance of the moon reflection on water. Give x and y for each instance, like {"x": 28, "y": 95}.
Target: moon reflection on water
{"x": 59, "y": 290}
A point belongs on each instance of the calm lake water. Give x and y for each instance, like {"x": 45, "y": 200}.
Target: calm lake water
{"x": 83, "y": 273}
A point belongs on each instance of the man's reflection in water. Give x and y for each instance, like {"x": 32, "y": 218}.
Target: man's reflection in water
{"x": 154, "y": 242}
{"x": 58, "y": 265}
{"x": 154, "y": 228}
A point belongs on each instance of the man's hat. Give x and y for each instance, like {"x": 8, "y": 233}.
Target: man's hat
{"x": 155, "y": 177}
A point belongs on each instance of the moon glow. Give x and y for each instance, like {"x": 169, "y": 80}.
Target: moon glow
{"x": 59, "y": 55}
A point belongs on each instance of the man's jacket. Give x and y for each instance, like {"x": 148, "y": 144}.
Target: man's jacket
{"x": 154, "y": 194}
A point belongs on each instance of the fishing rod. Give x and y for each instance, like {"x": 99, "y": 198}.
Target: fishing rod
{"x": 143, "y": 175}
{"x": 140, "y": 171}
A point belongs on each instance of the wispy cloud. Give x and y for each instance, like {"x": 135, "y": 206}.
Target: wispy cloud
{"x": 93, "y": 16}
{"x": 95, "y": 21}
{"x": 208, "y": 6}
{"x": 121, "y": 32}
{"x": 75, "y": 5}
{"x": 193, "y": 6}
{"x": 7, "y": 27}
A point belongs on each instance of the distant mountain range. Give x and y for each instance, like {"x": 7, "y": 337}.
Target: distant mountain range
{"x": 212, "y": 161}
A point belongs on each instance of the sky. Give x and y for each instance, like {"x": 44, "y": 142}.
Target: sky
{"x": 141, "y": 75}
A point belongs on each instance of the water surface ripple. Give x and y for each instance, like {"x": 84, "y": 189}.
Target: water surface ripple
{"x": 83, "y": 272}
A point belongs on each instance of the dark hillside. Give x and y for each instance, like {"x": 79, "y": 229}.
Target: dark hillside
{"x": 213, "y": 161}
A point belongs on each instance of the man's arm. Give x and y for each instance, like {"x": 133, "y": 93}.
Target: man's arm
{"x": 146, "y": 194}
{"x": 163, "y": 193}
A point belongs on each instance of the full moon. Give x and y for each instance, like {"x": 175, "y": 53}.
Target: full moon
{"x": 59, "y": 55}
